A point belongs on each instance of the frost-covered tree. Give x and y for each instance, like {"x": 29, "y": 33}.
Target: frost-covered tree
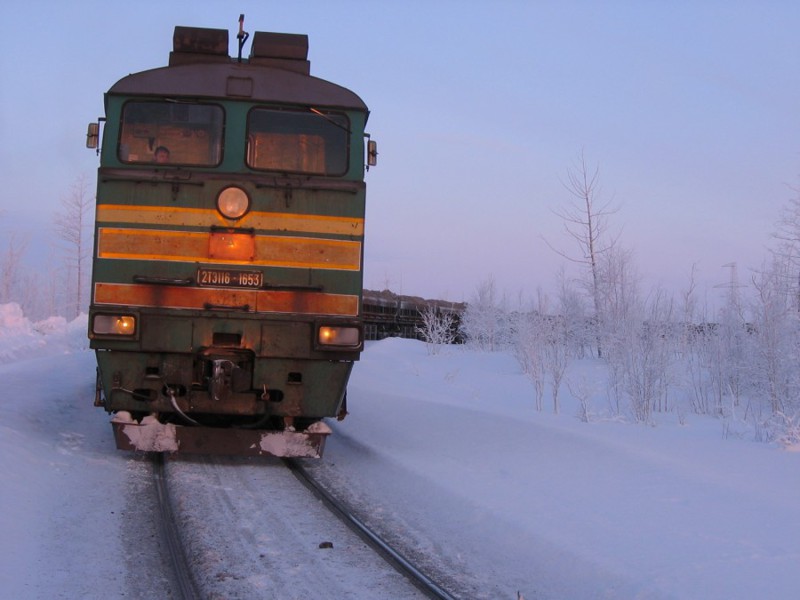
{"x": 529, "y": 342}
{"x": 438, "y": 327}
{"x": 556, "y": 356}
{"x": 529, "y": 350}
{"x": 485, "y": 319}
{"x": 618, "y": 290}
{"x": 646, "y": 352}
{"x": 773, "y": 349}
{"x": 788, "y": 248}
{"x": 586, "y": 223}
{"x": 73, "y": 228}
{"x": 788, "y": 229}
{"x": 698, "y": 348}
{"x": 11, "y": 269}
{"x": 775, "y": 332}
{"x": 542, "y": 349}
{"x": 580, "y": 331}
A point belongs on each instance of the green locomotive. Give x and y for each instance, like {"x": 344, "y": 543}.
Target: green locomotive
{"x": 227, "y": 270}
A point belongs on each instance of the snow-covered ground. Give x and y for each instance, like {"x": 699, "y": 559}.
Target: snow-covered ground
{"x": 558, "y": 508}
{"x": 64, "y": 495}
{"x": 448, "y": 447}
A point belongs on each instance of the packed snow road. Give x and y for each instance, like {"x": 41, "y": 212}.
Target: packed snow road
{"x": 444, "y": 452}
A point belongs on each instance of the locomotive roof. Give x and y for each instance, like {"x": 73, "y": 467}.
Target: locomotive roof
{"x": 276, "y": 72}
{"x": 231, "y": 81}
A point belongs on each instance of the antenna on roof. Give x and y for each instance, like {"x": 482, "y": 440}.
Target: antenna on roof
{"x": 241, "y": 36}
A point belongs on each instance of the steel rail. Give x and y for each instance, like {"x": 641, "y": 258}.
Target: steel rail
{"x": 182, "y": 575}
{"x": 421, "y": 581}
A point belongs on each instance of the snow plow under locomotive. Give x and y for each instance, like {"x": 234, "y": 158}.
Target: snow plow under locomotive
{"x": 227, "y": 269}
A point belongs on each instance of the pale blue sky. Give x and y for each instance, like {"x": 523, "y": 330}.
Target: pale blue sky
{"x": 690, "y": 109}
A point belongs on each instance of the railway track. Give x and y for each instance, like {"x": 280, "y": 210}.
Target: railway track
{"x": 403, "y": 566}
{"x": 230, "y": 497}
{"x": 181, "y": 572}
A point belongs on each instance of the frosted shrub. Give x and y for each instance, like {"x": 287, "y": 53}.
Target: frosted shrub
{"x": 556, "y": 357}
{"x": 541, "y": 348}
{"x": 582, "y": 392}
{"x": 485, "y": 322}
{"x": 438, "y": 328}
{"x": 786, "y": 429}
{"x": 529, "y": 351}
{"x": 701, "y": 360}
{"x": 774, "y": 341}
{"x": 640, "y": 353}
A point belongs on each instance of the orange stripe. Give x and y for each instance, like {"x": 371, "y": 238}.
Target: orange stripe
{"x": 204, "y": 217}
{"x": 263, "y": 301}
{"x": 270, "y": 251}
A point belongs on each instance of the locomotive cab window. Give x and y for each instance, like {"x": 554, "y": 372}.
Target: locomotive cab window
{"x": 312, "y": 142}
{"x": 171, "y": 133}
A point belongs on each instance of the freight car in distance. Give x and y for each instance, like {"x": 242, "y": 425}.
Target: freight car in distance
{"x": 387, "y": 314}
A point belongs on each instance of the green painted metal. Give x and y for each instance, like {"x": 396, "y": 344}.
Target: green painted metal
{"x": 226, "y": 364}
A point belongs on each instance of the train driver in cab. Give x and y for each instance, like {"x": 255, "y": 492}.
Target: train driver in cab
{"x": 162, "y": 154}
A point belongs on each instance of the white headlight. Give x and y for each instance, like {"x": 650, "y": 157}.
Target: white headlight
{"x": 233, "y": 202}
{"x": 339, "y": 336}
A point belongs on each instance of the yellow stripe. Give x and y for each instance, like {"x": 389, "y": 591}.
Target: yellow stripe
{"x": 165, "y": 296}
{"x": 269, "y": 251}
{"x": 202, "y": 217}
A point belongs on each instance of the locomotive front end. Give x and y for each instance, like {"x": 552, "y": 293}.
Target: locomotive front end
{"x": 227, "y": 272}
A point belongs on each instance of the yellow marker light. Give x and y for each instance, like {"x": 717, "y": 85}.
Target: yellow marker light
{"x": 114, "y": 325}
{"x": 339, "y": 336}
{"x": 233, "y": 202}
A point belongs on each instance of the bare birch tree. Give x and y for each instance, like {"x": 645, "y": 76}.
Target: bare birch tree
{"x": 788, "y": 236}
{"x": 72, "y": 225}
{"x": 586, "y": 224}
{"x": 10, "y": 263}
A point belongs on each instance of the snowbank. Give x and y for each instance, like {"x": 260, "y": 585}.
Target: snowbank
{"x": 21, "y": 339}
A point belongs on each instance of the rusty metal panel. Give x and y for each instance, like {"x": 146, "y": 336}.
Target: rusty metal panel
{"x": 286, "y": 338}
{"x": 231, "y": 246}
{"x": 168, "y": 296}
{"x": 286, "y": 251}
{"x": 263, "y": 250}
{"x": 268, "y": 44}
{"x": 207, "y": 217}
{"x": 239, "y": 86}
{"x": 211, "y": 80}
{"x": 165, "y": 334}
{"x": 151, "y": 244}
{"x": 200, "y": 40}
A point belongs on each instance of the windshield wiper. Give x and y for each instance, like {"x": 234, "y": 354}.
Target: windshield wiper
{"x": 328, "y": 119}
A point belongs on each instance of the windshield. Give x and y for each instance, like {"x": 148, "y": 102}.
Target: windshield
{"x": 171, "y": 133}
{"x": 303, "y": 142}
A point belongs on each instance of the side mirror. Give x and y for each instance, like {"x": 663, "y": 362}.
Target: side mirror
{"x": 93, "y": 135}
{"x": 372, "y": 153}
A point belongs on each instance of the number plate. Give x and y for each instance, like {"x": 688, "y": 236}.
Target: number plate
{"x": 228, "y": 278}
